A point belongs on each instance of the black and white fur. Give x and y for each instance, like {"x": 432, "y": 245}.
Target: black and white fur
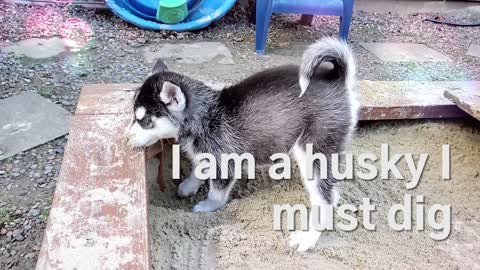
{"x": 278, "y": 110}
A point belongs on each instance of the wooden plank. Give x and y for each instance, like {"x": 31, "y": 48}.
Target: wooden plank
{"x": 379, "y": 100}
{"x": 98, "y": 218}
{"x": 466, "y": 99}
{"x": 387, "y": 100}
{"x": 106, "y": 99}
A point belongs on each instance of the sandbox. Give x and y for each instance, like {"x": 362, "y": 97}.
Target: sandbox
{"x": 241, "y": 237}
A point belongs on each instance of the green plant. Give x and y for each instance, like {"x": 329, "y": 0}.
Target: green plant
{"x": 5, "y": 216}
{"x": 44, "y": 214}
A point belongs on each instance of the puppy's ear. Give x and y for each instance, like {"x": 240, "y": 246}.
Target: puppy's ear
{"x": 173, "y": 97}
{"x": 159, "y": 66}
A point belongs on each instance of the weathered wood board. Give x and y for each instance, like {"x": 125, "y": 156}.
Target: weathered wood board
{"x": 99, "y": 215}
{"x": 379, "y": 100}
{"x": 388, "y": 100}
{"x": 98, "y": 218}
{"x": 106, "y": 99}
{"x": 467, "y": 99}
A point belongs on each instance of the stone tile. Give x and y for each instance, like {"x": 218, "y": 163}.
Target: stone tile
{"x": 191, "y": 53}
{"x": 405, "y": 52}
{"x": 28, "y": 120}
{"x": 474, "y": 50}
{"x": 38, "y": 47}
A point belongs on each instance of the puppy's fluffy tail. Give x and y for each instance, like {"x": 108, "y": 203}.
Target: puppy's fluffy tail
{"x": 327, "y": 50}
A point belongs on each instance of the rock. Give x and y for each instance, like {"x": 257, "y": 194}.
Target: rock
{"x": 181, "y": 35}
{"x": 3, "y": 231}
{"x": 238, "y": 39}
{"x": 19, "y": 237}
{"x": 30, "y": 255}
{"x": 34, "y": 212}
{"x": 13, "y": 252}
{"x": 17, "y": 232}
{"x": 40, "y": 181}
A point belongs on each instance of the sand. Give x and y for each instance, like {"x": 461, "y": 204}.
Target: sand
{"x": 241, "y": 237}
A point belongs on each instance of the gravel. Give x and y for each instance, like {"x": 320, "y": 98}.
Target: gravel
{"x": 113, "y": 53}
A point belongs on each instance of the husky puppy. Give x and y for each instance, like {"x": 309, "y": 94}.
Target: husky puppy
{"x": 279, "y": 110}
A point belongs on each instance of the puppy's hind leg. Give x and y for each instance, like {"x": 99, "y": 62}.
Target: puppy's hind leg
{"x": 217, "y": 195}
{"x": 323, "y": 197}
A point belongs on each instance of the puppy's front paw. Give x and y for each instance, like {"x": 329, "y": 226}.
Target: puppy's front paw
{"x": 303, "y": 240}
{"x": 208, "y": 206}
{"x": 189, "y": 186}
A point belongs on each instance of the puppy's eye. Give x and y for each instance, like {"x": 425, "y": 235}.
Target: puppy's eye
{"x": 146, "y": 123}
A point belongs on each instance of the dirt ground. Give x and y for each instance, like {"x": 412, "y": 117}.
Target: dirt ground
{"x": 241, "y": 237}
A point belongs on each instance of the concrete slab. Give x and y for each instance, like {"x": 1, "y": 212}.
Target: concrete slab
{"x": 467, "y": 99}
{"x": 405, "y": 52}
{"x": 296, "y": 49}
{"x": 465, "y": 15}
{"x": 28, "y": 120}
{"x": 474, "y": 50}
{"x": 38, "y": 47}
{"x": 191, "y": 53}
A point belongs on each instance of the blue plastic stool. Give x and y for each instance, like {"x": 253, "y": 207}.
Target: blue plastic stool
{"x": 265, "y": 8}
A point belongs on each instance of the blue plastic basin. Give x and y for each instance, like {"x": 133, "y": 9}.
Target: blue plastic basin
{"x": 142, "y": 13}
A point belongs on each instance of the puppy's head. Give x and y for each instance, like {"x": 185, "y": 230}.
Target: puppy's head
{"x": 158, "y": 107}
